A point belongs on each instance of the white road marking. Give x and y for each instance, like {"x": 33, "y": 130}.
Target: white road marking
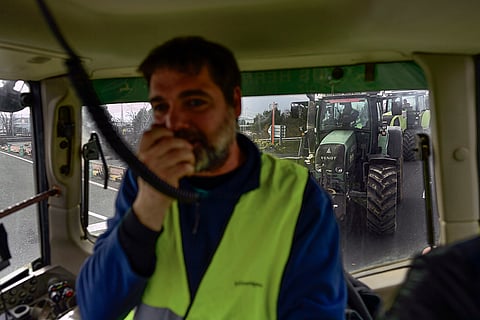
{"x": 16, "y": 157}
{"x": 92, "y": 227}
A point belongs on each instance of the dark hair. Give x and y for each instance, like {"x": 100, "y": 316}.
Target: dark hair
{"x": 189, "y": 55}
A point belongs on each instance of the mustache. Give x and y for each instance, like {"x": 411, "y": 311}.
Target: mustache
{"x": 191, "y": 135}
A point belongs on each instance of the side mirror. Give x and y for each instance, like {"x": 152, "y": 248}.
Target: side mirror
{"x": 11, "y": 99}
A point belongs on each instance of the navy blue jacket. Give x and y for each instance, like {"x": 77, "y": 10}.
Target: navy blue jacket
{"x": 112, "y": 279}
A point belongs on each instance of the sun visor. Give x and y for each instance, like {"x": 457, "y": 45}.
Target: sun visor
{"x": 27, "y": 63}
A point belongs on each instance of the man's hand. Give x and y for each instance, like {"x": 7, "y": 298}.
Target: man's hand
{"x": 171, "y": 159}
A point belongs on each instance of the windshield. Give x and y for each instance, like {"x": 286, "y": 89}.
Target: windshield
{"x": 342, "y": 112}
{"x": 279, "y": 126}
{"x": 335, "y": 136}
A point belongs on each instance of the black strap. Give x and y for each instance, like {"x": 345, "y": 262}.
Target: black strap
{"x": 355, "y": 300}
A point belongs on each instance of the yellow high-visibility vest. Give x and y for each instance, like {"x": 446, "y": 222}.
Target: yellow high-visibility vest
{"x": 243, "y": 279}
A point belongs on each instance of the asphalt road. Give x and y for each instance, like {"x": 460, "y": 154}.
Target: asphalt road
{"x": 17, "y": 184}
{"x": 362, "y": 249}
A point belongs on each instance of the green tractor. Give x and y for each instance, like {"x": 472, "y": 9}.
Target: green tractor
{"x": 353, "y": 154}
{"x": 410, "y": 111}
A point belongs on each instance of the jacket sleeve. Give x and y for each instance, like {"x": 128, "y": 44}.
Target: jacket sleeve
{"x": 108, "y": 285}
{"x": 313, "y": 286}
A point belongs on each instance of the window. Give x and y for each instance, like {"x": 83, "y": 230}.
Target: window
{"x": 17, "y": 176}
{"x": 381, "y": 218}
{"x": 130, "y": 120}
{"x": 359, "y": 144}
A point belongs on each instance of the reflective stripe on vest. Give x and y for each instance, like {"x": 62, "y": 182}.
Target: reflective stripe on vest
{"x": 243, "y": 279}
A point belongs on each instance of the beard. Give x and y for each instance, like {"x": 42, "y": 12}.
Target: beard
{"x": 211, "y": 152}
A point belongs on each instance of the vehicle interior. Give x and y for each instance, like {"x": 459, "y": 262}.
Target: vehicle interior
{"x": 289, "y": 52}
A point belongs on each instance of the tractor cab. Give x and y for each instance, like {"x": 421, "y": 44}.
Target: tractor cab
{"x": 343, "y": 113}
{"x": 410, "y": 111}
{"x": 346, "y": 120}
{"x": 355, "y": 154}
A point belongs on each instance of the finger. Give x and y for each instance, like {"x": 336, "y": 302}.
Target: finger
{"x": 179, "y": 155}
{"x": 162, "y": 160}
{"x": 169, "y": 148}
{"x": 170, "y": 159}
{"x": 172, "y": 174}
{"x": 152, "y": 136}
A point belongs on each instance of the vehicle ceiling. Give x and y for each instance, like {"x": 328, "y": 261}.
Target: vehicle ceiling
{"x": 113, "y": 36}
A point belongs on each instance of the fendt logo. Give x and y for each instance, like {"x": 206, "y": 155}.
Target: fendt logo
{"x": 329, "y": 156}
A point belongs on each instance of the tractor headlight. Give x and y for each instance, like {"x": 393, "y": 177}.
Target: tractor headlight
{"x": 339, "y": 170}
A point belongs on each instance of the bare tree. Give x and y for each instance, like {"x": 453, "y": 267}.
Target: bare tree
{"x": 6, "y": 123}
{"x": 140, "y": 120}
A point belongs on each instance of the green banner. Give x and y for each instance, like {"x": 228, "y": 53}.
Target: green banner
{"x": 121, "y": 90}
{"x": 354, "y": 78}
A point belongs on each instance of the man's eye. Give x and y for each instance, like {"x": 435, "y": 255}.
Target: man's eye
{"x": 159, "y": 107}
{"x": 195, "y": 102}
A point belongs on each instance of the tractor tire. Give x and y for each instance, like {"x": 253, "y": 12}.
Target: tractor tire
{"x": 409, "y": 145}
{"x": 395, "y": 150}
{"x": 382, "y": 198}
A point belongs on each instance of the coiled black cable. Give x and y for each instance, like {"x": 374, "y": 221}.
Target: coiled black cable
{"x": 89, "y": 98}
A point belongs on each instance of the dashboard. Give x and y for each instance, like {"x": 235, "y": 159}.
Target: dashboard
{"x": 47, "y": 293}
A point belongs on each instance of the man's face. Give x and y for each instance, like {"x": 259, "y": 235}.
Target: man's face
{"x": 194, "y": 108}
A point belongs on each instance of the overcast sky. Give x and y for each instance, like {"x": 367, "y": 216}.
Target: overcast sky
{"x": 251, "y": 106}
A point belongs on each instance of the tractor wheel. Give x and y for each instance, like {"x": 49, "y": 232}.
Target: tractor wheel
{"x": 395, "y": 150}
{"x": 409, "y": 145}
{"x": 382, "y": 198}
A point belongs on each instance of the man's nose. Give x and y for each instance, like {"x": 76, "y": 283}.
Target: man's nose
{"x": 175, "y": 119}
